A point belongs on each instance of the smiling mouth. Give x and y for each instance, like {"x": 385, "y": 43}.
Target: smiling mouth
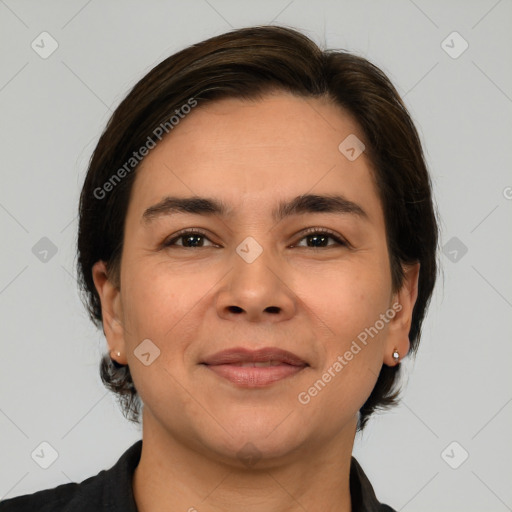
{"x": 248, "y": 368}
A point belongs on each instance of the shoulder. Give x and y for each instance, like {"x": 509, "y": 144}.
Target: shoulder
{"x": 108, "y": 490}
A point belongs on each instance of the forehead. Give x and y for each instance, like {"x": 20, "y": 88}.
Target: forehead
{"x": 279, "y": 125}
{"x": 252, "y": 153}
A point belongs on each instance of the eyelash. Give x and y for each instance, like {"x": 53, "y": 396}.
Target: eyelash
{"x": 309, "y": 232}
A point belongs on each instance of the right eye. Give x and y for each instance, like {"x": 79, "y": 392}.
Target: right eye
{"x": 190, "y": 238}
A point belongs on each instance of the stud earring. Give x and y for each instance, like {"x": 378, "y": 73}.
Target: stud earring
{"x": 115, "y": 363}
{"x": 396, "y": 356}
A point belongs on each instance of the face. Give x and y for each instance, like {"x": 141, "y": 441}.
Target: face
{"x": 316, "y": 284}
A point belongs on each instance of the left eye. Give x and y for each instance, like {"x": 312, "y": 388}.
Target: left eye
{"x": 318, "y": 238}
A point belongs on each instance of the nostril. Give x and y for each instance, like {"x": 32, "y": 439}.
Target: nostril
{"x": 235, "y": 309}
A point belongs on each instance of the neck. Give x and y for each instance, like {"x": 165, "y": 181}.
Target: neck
{"x": 173, "y": 475}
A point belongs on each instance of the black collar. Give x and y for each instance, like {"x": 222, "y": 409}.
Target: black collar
{"x": 112, "y": 490}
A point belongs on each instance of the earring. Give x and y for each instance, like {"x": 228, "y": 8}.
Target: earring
{"x": 115, "y": 363}
{"x": 396, "y": 356}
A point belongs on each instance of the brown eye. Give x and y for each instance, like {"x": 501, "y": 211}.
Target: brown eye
{"x": 318, "y": 238}
{"x": 189, "y": 239}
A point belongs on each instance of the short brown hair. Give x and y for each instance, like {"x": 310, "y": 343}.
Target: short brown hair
{"x": 246, "y": 64}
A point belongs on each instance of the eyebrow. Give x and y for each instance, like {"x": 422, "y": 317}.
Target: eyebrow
{"x": 309, "y": 203}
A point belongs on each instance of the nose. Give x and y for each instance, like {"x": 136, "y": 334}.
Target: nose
{"x": 257, "y": 291}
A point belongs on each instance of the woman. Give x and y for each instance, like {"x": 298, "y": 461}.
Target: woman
{"x": 258, "y": 241}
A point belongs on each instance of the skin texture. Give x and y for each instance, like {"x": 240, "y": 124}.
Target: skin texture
{"x": 192, "y": 302}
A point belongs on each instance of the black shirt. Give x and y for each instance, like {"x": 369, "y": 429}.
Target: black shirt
{"x": 112, "y": 490}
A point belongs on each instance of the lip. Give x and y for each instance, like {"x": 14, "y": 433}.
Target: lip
{"x": 228, "y": 365}
{"x": 243, "y": 355}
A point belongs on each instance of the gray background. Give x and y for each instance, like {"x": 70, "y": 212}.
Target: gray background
{"x": 53, "y": 111}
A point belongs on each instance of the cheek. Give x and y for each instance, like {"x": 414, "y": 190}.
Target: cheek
{"x": 345, "y": 300}
{"x": 156, "y": 301}
{"x": 345, "y": 304}
{"x": 156, "y": 296}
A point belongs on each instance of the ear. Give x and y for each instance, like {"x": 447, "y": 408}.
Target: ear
{"x": 400, "y": 325}
{"x": 111, "y": 310}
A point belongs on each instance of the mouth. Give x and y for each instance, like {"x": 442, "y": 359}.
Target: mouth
{"x": 255, "y": 368}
